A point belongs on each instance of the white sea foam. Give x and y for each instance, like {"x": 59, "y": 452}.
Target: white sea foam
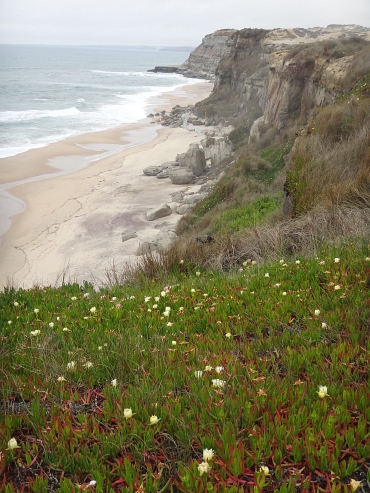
{"x": 29, "y": 115}
{"x": 157, "y": 75}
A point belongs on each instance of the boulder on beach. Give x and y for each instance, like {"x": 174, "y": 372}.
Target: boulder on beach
{"x": 152, "y": 170}
{"x": 127, "y": 235}
{"x": 194, "y": 159}
{"x": 183, "y": 209}
{"x": 163, "y": 174}
{"x": 146, "y": 247}
{"x": 161, "y": 211}
{"x": 181, "y": 176}
{"x": 165, "y": 240}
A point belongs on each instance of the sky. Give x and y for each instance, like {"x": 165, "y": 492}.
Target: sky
{"x": 162, "y": 22}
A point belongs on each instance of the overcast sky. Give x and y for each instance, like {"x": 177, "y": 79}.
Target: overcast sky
{"x": 162, "y": 22}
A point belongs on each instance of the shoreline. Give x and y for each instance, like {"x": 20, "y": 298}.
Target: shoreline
{"x": 73, "y": 218}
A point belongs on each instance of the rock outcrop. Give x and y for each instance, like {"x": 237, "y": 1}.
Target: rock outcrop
{"x": 161, "y": 211}
{"x": 181, "y": 176}
{"x": 193, "y": 159}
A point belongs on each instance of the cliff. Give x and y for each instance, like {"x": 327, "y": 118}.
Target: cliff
{"x": 277, "y": 77}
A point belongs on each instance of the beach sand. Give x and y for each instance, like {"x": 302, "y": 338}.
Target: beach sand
{"x": 72, "y": 200}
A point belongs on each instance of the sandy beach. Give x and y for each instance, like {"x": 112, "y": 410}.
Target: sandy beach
{"x": 69, "y": 202}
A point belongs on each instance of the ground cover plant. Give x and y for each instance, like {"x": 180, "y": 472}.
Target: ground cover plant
{"x": 257, "y": 380}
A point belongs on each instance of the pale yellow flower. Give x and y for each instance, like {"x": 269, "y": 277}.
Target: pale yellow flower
{"x": 12, "y": 444}
{"x": 323, "y": 391}
{"x": 127, "y": 413}
{"x": 203, "y": 467}
{"x": 208, "y": 454}
{"x": 154, "y": 420}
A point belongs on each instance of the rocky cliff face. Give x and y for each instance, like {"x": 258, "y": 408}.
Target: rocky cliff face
{"x": 204, "y": 60}
{"x": 278, "y": 76}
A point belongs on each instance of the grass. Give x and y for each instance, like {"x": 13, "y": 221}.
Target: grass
{"x": 232, "y": 363}
{"x": 238, "y": 218}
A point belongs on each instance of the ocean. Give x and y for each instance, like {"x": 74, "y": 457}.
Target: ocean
{"x": 49, "y": 93}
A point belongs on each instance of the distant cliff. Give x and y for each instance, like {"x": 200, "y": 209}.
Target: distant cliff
{"x": 277, "y": 77}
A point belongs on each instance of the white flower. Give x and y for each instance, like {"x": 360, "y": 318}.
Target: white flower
{"x": 241, "y": 269}
{"x": 92, "y": 483}
{"x": 147, "y": 298}
{"x": 93, "y": 309}
{"x": 36, "y": 310}
{"x": 324, "y": 325}
{"x": 51, "y": 325}
{"x": 155, "y": 306}
{"x": 337, "y": 260}
{"x": 132, "y": 297}
{"x": 208, "y": 454}
{"x": 58, "y": 318}
{"x": 71, "y": 365}
{"x": 127, "y": 413}
{"x": 154, "y": 420}
{"x": 367, "y": 259}
{"x": 86, "y": 295}
{"x": 73, "y": 298}
{"x": 65, "y": 329}
{"x": 16, "y": 303}
{"x": 337, "y": 287}
{"x": 317, "y": 313}
{"x": 203, "y": 467}
{"x": 323, "y": 391}
{"x": 197, "y": 273}
{"x": 228, "y": 335}
{"x": 219, "y": 369}
{"x": 297, "y": 262}
{"x": 88, "y": 364}
{"x": 192, "y": 290}
{"x": 281, "y": 261}
{"x": 35, "y": 333}
{"x": 196, "y": 308}
{"x": 114, "y": 382}
{"x": 254, "y": 262}
{"x": 10, "y": 322}
{"x": 322, "y": 262}
{"x": 166, "y": 314}
{"x": 149, "y": 310}
{"x": 181, "y": 261}
{"x": 208, "y": 368}
{"x": 163, "y": 294}
{"x": 355, "y": 485}
{"x": 284, "y": 293}
{"x": 173, "y": 343}
{"x": 156, "y": 298}
{"x": 167, "y": 309}
{"x": 267, "y": 274}
{"x": 264, "y": 470}
{"x": 61, "y": 379}
{"x": 12, "y": 444}
{"x": 198, "y": 374}
{"x": 278, "y": 284}
{"x": 100, "y": 348}
{"x": 218, "y": 383}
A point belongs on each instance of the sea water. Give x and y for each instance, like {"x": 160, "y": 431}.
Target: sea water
{"x": 49, "y": 93}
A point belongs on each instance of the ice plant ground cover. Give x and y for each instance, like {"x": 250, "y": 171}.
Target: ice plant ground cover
{"x": 103, "y": 400}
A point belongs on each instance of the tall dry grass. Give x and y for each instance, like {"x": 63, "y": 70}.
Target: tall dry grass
{"x": 330, "y": 165}
{"x": 278, "y": 238}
